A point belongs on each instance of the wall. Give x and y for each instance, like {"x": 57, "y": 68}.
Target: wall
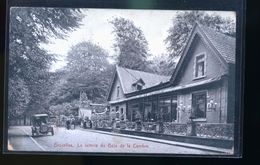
{"x": 214, "y": 67}
{"x": 84, "y": 112}
{"x": 217, "y": 91}
{"x": 175, "y": 128}
{"x": 113, "y": 94}
{"x": 216, "y": 131}
{"x": 203, "y": 130}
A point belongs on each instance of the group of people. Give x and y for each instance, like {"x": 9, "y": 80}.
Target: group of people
{"x": 70, "y": 123}
{"x": 87, "y": 123}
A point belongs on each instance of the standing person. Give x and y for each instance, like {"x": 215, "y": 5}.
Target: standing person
{"x": 84, "y": 123}
{"x": 90, "y": 123}
{"x": 68, "y": 124}
{"x": 149, "y": 116}
{"x": 73, "y": 123}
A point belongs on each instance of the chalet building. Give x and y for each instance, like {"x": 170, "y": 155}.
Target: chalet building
{"x": 201, "y": 86}
{"x": 125, "y": 83}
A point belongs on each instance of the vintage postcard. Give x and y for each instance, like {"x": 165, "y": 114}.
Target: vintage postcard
{"x": 121, "y": 81}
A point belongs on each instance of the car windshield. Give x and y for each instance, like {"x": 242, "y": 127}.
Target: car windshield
{"x": 40, "y": 121}
{"x": 44, "y": 120}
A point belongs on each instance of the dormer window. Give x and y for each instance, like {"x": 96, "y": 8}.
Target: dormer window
{"x": 200, "y": 66}
{"x": 138, "y": 85}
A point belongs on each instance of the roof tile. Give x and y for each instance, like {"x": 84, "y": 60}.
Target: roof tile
{"x": 225, "y": 45}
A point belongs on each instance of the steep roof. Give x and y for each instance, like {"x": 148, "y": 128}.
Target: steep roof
{"x": 224, "y": 44}
{"x": 128, "y": 77}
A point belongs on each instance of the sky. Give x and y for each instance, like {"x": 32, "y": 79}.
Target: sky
{"x": 97, "y": 29}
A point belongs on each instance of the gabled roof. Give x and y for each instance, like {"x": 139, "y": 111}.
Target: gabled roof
{"x": 223, "y": 45}
{"x": 128, "y": 77}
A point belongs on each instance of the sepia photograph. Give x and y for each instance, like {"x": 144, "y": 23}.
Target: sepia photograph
{"x": 121, "y": 81}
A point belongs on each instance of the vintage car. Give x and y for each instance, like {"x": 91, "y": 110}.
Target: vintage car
{"x": 41, "y": 125}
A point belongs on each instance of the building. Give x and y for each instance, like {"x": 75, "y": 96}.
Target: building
{"x": 125, "y": 83}
{"x": 87, "y": 108}
{"x": 202, "y": 86}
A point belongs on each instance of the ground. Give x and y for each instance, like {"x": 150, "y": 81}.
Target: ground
{"x": 84, "y": 140}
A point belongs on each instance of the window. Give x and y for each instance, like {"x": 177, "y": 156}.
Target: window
{"x": 108, "y": 108}
{"x": 199, "y": 105}
{"x": 117, "y": 112}
{"x": 122, "y": 114}
{"x": 174, "y": 109}
{"x": 154, "y": 111}
{"x": 138, "y": 87}
{"x": 165, "y": 109}
{"x": 134, "y": 110}
{"x": 148, "y": 116}
{"x": 200, "y": 66}
{"x": 117, "y": 91}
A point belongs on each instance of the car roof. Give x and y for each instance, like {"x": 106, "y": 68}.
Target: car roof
{"x": 40, "y": 115}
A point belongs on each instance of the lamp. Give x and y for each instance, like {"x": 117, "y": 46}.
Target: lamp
{"x": 189, "y": 108}
{"x": 181, "y": 107}
{"x": 212, "y": 105}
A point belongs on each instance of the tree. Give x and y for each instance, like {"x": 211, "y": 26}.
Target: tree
{"x": 161, "y": 65}
{"x": 87, "y": 69}
{"x": 19, "y": 97}
{"x": 131, "y": 44}
{"x": 28, "y": 62}
{"x": 183, "y": 23}
{"x": 57, "y": 88}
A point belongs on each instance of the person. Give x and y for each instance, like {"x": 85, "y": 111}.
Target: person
{"x": 90, "y": 123}
{"x": 84, "y": 123}
{"x": 73, "y": 123}
{"x": 149, "y": 116}
{"x": 68, "y": 124}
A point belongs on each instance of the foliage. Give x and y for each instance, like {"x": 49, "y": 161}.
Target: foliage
{"x": 28, "y": 62}
{"x": 66, "y": 108}
{"x": 18, "y": 98}
{"x": 130, "y": 44}
{"x": 87, "y": 69}
{"x": 161, "y": 65}
{"x": 183, "y": 23}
